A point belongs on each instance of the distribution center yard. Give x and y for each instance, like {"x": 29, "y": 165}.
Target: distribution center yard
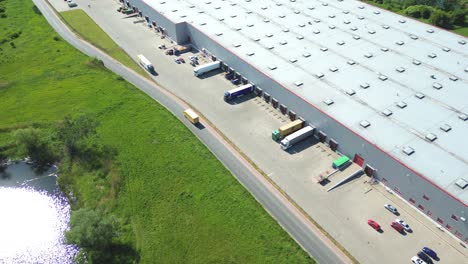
{"x": 183, "y": 205}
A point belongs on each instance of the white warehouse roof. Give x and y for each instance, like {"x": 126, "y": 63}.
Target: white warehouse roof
{"x": 407, "y": 80}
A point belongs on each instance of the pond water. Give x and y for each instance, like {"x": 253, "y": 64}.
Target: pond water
{"x": 33, "y": 217}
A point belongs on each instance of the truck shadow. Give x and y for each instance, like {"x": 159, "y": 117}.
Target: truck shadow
{"x": 210, "y": 74}
{"x": 241, "y": 99}
{"x": 200, "y": 126}
{"x": 300, "y": 146}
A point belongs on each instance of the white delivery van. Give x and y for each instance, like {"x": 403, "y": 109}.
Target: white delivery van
{"x": 145, "y": 63}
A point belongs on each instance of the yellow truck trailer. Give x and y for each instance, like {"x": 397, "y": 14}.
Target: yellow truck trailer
{"x": 191, "y": 116}
{"x": 287, "y": 129}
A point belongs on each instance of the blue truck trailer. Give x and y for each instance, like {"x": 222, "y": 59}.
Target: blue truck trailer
{"x": 239, "y": 91}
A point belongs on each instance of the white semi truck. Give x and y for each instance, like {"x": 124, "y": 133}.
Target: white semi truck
{"x": 206, "y": 68}
{"x": 297, "y": 136}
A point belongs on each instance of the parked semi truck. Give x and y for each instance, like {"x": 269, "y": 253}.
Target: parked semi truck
{"x": 237, "y": 92}
{"x": 197, "y": 71}
{"x": 145, "y": 63}
{"x": 297, "y": 136}
{"x": 287, "y": 129}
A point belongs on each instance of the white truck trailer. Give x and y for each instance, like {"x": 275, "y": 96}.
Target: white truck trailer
{"x": 206, "y": 68}
{"x": 297, "y": 136}
{"x": 145, "y": 63}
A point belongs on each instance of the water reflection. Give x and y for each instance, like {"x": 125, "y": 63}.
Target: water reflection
{"x": 33, "y": 218}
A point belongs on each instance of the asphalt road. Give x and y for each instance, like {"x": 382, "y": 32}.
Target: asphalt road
{"x": 300, "y": 229}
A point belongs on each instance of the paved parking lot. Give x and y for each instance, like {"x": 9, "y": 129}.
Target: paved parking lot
{"x": 248, "y": 123}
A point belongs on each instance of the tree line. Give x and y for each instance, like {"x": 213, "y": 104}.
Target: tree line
{"x": 447, "y": 14}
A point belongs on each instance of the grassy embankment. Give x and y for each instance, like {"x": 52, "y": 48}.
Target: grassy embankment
{"x": 181, "y": 204}
{"x": 85, "y": 27}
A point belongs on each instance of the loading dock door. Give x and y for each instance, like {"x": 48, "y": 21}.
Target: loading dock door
{"x": 283, "y": 109}
{"x": 258, "y": 91}
{"x": 292, "y": 115}
{"x": 358, "y": 160}
{"x": 333, "y": 144}
{"x": 267, "y": 97}
{"x": 274, "y": 102}
{"x": 224, "y": 67}
{"x": 322, "y": 136}
{"x": 369, "y": 171}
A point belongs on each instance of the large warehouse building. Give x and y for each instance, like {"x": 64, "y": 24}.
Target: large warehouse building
{"x": 388, "y": 91}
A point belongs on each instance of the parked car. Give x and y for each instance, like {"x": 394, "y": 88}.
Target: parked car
{"x": 424, "y": 257}
{"x": 397, "y": 227}
{"x": 404, "y": 225}
{"x": 430, "y": 252}
{"x": 417, "y": 260}
{"x": 391, "y": 208}
{"x": 373, "y": 224}
{"x": 71, "y": 3}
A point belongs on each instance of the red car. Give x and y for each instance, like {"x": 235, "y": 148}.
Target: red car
{"x": 374, "y": 224}
{"x": 397, "y": 227}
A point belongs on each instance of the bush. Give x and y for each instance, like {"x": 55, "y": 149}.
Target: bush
{"x": 441, "y": 19}
{"x": 56, "y": 38}
{"x": 72, "y": 131}
{"x": 36, "y": 144}
{"x": 96, "y": 63}
{"x": 91, "y": 229}
{"x": 15, "y": 35}
{"x": 413, "y": 11}
{"x": 36, "y": 10}
{"x": 120, "y": 78}
{"x": 12, "y": 44}
{"x": 458, "y": 17}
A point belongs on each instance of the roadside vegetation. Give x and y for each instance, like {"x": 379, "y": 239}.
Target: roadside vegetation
{"x": 448, "y": 14}
{"x": 87, "y": 29}
{"x": 137, "y": 179}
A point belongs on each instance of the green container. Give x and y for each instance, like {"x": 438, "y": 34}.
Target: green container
{"x": 276, "y": 135}
{"x": 340, "y": 162}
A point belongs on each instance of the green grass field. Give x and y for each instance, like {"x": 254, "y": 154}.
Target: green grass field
{"x": 85, "y": 27}
{"x": 182, "y": 205}
{"x": 462, "y": 31}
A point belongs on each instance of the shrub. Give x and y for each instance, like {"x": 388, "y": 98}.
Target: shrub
{"x": 459, "y": 16}
{"x": 441, "y": 18}
{"x": 96, "y": 63}
{"x": 15, "y": 35}
{"x": 56, "y": 38}
{"x": 12, "y": 44}
{"x": 36, "y": 10}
